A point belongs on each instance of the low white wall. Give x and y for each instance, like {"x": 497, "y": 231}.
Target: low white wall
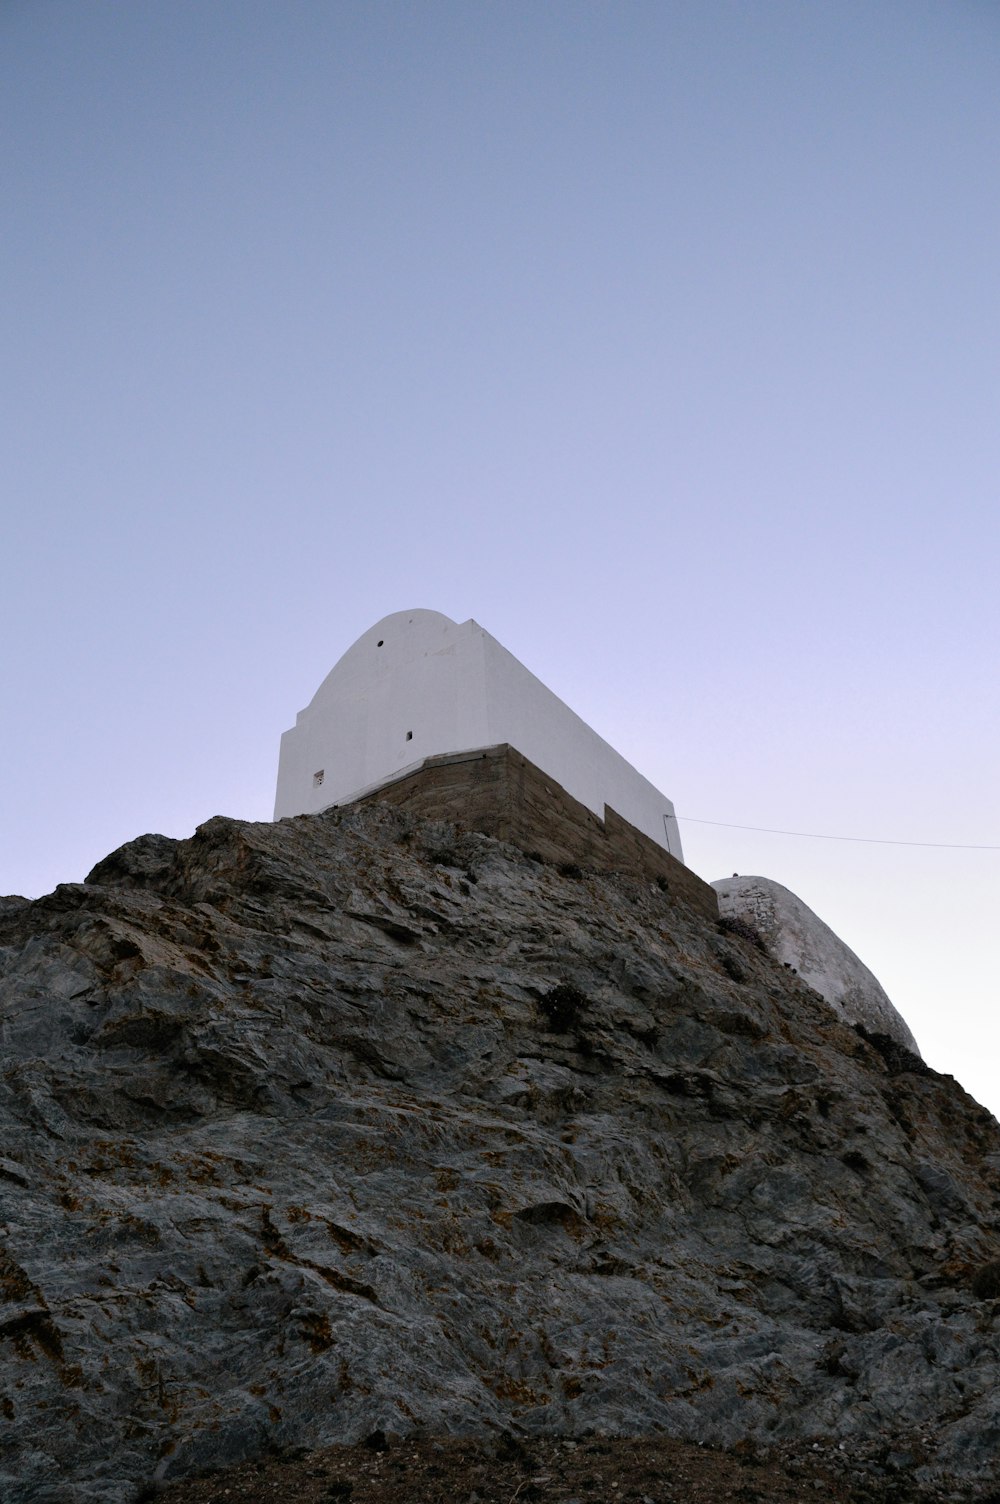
{"x": 418, "y": 684}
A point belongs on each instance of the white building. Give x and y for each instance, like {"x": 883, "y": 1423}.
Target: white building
{"x": 419, "y": 684}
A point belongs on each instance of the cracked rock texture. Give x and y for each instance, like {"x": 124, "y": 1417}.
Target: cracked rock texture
{"x": 358, "y": 1122}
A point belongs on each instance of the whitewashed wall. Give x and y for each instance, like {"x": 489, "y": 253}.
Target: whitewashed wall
{"x": 418, "y": 684}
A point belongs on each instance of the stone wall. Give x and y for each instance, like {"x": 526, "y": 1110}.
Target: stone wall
{"x": 497, "y": 791}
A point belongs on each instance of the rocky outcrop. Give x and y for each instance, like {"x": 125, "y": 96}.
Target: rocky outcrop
{"x": 361, "y": 1122}
{"x": 799, "y": 939}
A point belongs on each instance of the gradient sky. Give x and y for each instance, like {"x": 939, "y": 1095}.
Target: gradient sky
{"x": 662, "y": 338}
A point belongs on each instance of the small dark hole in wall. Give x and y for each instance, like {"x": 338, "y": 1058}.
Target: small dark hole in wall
{"x": 409, "y": 736}
{"x": 318, "y": 778}
{"x": 380, "y": 642}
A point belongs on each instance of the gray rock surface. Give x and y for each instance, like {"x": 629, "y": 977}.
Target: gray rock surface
{"x": 356, "y": 1122}
{"x": 799, "y": 938}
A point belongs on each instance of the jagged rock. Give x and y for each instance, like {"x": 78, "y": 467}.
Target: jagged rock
{"x": 355, "y": 1122}
{"x": 798, "y": 938}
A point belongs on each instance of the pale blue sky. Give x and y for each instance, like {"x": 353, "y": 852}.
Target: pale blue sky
{"x": 661, "y": 338}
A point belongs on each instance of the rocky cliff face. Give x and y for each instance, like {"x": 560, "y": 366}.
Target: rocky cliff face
{"x": 357, "y": 1122}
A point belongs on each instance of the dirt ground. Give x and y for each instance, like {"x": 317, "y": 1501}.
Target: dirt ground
{"x": 593, "y": 1471}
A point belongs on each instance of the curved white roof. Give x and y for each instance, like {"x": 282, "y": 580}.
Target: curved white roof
{"x": 418, "y": 684}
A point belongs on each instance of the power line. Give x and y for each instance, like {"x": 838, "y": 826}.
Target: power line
{"x": 812, "y": 835}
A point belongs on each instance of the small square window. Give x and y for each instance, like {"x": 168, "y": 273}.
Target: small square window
{"x": 318, "y": 778}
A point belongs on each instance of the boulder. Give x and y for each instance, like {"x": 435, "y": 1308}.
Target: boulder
{"x": 799, "y": 939}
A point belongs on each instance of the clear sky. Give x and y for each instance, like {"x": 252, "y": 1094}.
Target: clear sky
{"x": 662, "y": 338}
